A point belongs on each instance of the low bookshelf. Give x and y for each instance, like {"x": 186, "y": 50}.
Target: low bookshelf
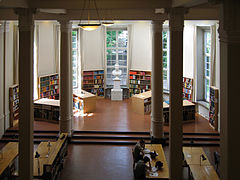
{"x": 187, "y": 88}
{"x": 139, "y": 82}
{"x": 93, "y": 82}
{"x": 48, "y": 86}
{"x": 213, "y": 112}
{"x": 14, "y": 104}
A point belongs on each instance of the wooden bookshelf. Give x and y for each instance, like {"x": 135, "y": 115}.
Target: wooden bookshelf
{"x": 47, "y": 110}
{"x": 213, "y": 112}
{"x": 139, "y": 82}
{"x": 93, "y": 82}
{"x": 14, "y": 104}
{"x": 187, "y": 88}
{"x": 48, "y": 86}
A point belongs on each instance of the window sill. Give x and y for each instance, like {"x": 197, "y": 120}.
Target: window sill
{"x": 203, "y": 103}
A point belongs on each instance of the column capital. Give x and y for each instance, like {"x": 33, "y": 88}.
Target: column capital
{"x": 26, "y": 18}
{"x": 65, "y": 23}
{"x": 157, "y": 25}
{"x": 176, "y": 18}
{"x": 229, "y": 26}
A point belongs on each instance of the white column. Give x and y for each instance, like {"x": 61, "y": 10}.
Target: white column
{"x": 157, "y": 82}
{"x": 229, "y": 31}
{"x": 26, "y": 27}
{"x": 176, "y": 23}
{"x": 66, "y": 99}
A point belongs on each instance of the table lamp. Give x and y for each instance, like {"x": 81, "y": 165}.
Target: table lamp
{"x": 202, "y": 158}
{"x": 37, "y": 155}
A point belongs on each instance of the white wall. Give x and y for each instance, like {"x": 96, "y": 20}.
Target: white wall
{"x": 141, "y": 46}
{"x": 1, "y": 80}
{"x": 92, "y": 49}
{"x": 9, "y": 69}
{"x": 188, "y": 50}
{"x": 46, "y": 61}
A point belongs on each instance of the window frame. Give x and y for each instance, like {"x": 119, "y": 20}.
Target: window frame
{"x": 124, "y": 68}
{"x": 206, "y": 88}
{"x": 166, "y": 82}
{"x": 78, "y": 84}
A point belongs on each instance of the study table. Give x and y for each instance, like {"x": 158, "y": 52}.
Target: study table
{"x": 163, "y": 173}
{"x": 200, "y": 169}
{"x": 50, "y": 163}
{"x": 8, "y": 153}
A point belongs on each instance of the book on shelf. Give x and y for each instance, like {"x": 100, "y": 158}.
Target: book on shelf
{"x": 14, "y": 104}
{"x": 139, "y": 81}
{"x": 213, "y": 111}
{"x": 187, "y": 88}
{"x": 49, "y": 86}
{"x": 93, "y": 82}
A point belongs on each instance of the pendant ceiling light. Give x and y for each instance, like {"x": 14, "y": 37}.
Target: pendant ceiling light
{"x": 89, "y": 26}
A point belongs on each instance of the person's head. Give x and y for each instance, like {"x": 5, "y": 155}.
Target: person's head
{"x": 142, "y": 143}
{"x": 159, "y": 164}
{"x": 146, "y": 159}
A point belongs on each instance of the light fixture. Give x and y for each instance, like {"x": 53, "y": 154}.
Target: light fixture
{"x": 107, "y": 24}
{"x": 89, "y": 26}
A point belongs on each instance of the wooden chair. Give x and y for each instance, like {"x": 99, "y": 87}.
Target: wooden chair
{"x": 216, "y": 160}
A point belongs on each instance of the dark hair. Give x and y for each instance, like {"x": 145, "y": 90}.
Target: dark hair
{"x": 142, "y": 141}
{"x": 159, "y": 164}
{"x": 146, "y": 159}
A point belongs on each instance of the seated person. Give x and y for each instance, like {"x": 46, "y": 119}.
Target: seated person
{"x": 138, "y": 150}
{"x": 141, "y": 167}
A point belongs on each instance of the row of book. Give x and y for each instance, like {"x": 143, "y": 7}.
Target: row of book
{"x": 54, "y": 77}
{"x": 139, "y": 81}
{"x": 44, "y": 79}
{"x": 54, "y": 82}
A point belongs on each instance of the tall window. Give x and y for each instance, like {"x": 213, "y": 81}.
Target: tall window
{"x": 116, "y": 43}
{"x": 75, "y": 64}
{"x": 165, "y": 59}
{"x": 207, "y": 51}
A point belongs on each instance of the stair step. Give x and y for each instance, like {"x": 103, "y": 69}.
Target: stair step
{"x": 90, "y": 136}
{"x": 111, "y": 132}
{"x": 105, "y": 141}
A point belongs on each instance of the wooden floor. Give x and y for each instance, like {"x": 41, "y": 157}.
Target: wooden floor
{"x": 108, "y": 162}
{"x": 118, "y": 116}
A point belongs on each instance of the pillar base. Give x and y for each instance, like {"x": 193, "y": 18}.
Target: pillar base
{"x": 159, "y": 141}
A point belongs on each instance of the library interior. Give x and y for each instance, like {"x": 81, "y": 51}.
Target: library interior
{"x": 98, "y": 89}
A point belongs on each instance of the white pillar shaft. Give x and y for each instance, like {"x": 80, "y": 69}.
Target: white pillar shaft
{"x": 157, "y": 82}
{"x": 176, "y": 22}
{"x": 229, "y": 31}
{"x": 26, "y": 27}
{"x": 66, "y": 99}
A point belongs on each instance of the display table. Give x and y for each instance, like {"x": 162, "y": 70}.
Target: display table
{"x": 8, "y": 153}
{"x": 84, "y": 100}
{"x": 141, "y": 103}
{"x": 47, "y": 109}
{"x": 163, "y": 173}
